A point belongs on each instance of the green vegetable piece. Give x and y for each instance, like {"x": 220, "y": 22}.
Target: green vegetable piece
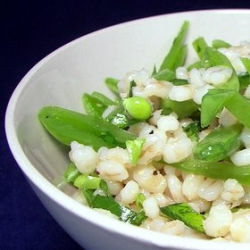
{"x": 103, "y": 99}
{"x": 119, "y": 117}
{"x": 244, "y": 81}
{"x": 177, "y": 52}
{"x": 107, "y": 203}
{"x": 67, "y": 126}
{"x": 140, "y": 198}
{"x": 216, "y": 170}
{"x": 134, "y": 148}
{"x": 199, "y": 46}
{"x": 112, "y": 84}
{"x": 164, "y": 75}
{"x": 246, "y": 62}
{"x": 87, "y": 181}
{"x": 92, "y": 105}
{"x": 138, "y": 107}
{"x": 96, "y": 103}
{"x": 182, "y": 109}
{"x": 192, "y": 130}
{"x": 213, "y": 57}
{"x": 179, "y": 82}
{"x": 184, "y": 213}
{"x": 195, "y": 65}
{"x": 71, "y": 173}
{"x": 212, "y": 103}
{"x": 104, "y": 188}
{"x": 239, "y": 106}
{"x": 218, "y": 144}
{"x": 217, "y": 43}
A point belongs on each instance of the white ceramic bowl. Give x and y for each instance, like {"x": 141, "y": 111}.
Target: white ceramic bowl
{"x": 80, "y": 66}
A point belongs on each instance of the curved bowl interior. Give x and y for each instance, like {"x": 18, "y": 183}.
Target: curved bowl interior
{"x": 81, "y": 66}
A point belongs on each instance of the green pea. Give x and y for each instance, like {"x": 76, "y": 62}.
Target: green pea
{"x": 138, "y": 107}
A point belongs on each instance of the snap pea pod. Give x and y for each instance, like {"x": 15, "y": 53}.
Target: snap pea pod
{"x": 96, "y": 103}
{"x": 218, "y": 144}
{"x": 212, "y": 103}
{"x": 177, "y": 53}
{"x": 185, "y": 213}
{"x": 112, "y": 84}
{"x": 199, "y": 46}
{"x": 164, "y": 75}
{"x": 67, "y": 126}
{"x": 216, "y": 170}
{"x": 182, "y": 109}
{"x": 239, "y": 106}
{"x": 246, "y": 62}
{"x": 233, "y": 101}
{"x": 218, "y": 43}
{"x": 212, "y": 57}
{"x": 106, "y": 101}
{"x": 244, "y": 81}
{"x": 92, "y": 105}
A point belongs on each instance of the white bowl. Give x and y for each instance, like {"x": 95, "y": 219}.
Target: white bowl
{"x": 81, "y": 66}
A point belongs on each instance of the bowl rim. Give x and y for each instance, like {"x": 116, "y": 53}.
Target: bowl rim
{"x": 84, "y": 212}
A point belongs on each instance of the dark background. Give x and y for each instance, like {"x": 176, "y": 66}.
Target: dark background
{"x": 29, "y": 30}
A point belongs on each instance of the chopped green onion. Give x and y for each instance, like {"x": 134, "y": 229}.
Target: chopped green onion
{"x": 107, "y": 203}
{"x": 134, "y": 148}
{"x": 71, "y": 173}
{"x": 184, "y": 213}
{"x": 87, "y": 181}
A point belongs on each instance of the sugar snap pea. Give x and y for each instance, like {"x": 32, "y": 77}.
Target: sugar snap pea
{"x": 217, "y": 170}
{"x": 177, "y": 52}
{"x": 67, "y": 126}
{"x": 199, "y": 45}
{"x": 219, "y": 144}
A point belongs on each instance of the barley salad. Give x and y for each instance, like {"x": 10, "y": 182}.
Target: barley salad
{"x": 171, "y": 151}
